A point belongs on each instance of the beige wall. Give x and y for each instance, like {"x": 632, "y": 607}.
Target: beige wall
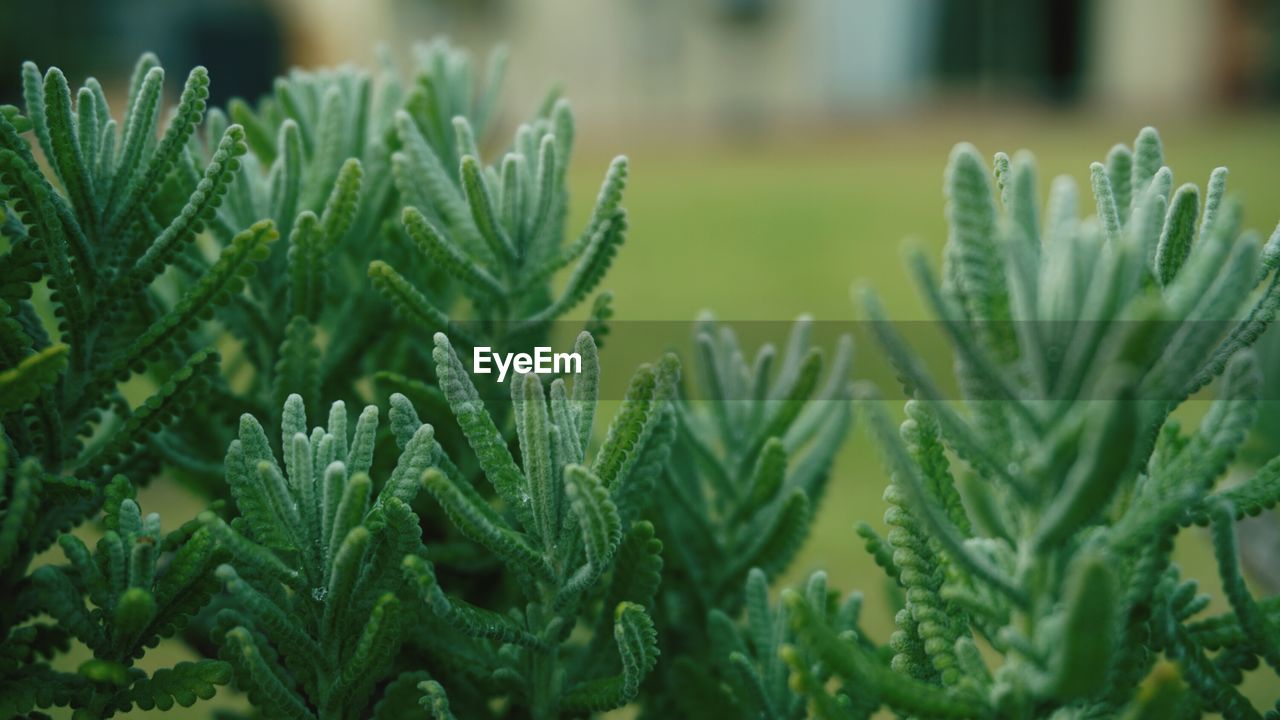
{"x": 679, "y": 61}
{"x": 620, "y": 59}
{"x": 1154, "y": 52}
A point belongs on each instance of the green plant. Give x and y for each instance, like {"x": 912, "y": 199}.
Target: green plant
{"x": 142, "y": 584}
{"x": 366, "y": 170}
{"x": 99, "y": 233}
{"x": 1034, "y": 516}
{"x": 319, "y": 166}
{"x": 748, "y": 469}
{"x": 756, "y": 671}
{"x": 315, "y": 577}
{"x": 1041, "y": 516}
{"x": 569, "y": 533}
{"x": 497, "y": 231}
{"x": 123, "y": 234}
{"x": 103, "y": 245}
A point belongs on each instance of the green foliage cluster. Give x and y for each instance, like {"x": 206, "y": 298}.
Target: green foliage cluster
{"x": 339, "y": 158}
{"x": 90, "y": 235}
{"x": 141, "y": 585}
{"x": 1038, "y": 517}
{"x": 121, "y": 241}
{"x": 100, "y": 242}
{"x": 315, "y": 569}
{"x": 573, "y": 540}
{"x": 498, "y": 230}
{"x": 748, "y": 469}
{"x": 756, "y": 669}
{"x": 503, "y": 558}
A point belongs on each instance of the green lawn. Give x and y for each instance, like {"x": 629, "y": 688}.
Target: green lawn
{"x": 770, "y": 229}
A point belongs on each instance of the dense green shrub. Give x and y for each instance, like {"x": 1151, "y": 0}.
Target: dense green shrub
{"x": 1038, "y": 517}
{"x": 143, "y": 586}
{"x": 583, "y": 558}
{"x": 102, "y": 246}
{"x": 752, "y": 458}
{"x": 496, "y": 556}
{"x": 138, "y": 239}
{"x": 366, "y": 171}
{"x": 100, "y": 242}
{"x": 315, "y": 569}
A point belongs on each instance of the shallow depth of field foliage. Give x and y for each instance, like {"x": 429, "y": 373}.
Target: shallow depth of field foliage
{"x": 202, "y": 297}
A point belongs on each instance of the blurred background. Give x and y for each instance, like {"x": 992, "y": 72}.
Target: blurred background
{"x": 780, "y": 149}
{"x": 720, "y": 64}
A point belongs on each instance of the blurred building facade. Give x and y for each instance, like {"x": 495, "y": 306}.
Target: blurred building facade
{"x": 717, "y": 62}
{"x": 746, "y": 61}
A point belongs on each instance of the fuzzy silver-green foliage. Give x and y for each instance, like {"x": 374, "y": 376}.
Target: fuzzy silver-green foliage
{"x": 141, "y": 585}
{"x": 753, "y": 454}
{"x": 314, "y": 577}
{"x": 139, "y": 235}
{"x": 1038, "y": 515}
{"x": 1035, "y": 515}
{"x": 378, "y": 171}
{"x": 754, "y": 669}
{"x": 95, "y": 224}
{"x": 319, "y": 168}
{"x": 497, "y": 230}
{"x": 100, "y": 230}
{"x": 567, "y": 529}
